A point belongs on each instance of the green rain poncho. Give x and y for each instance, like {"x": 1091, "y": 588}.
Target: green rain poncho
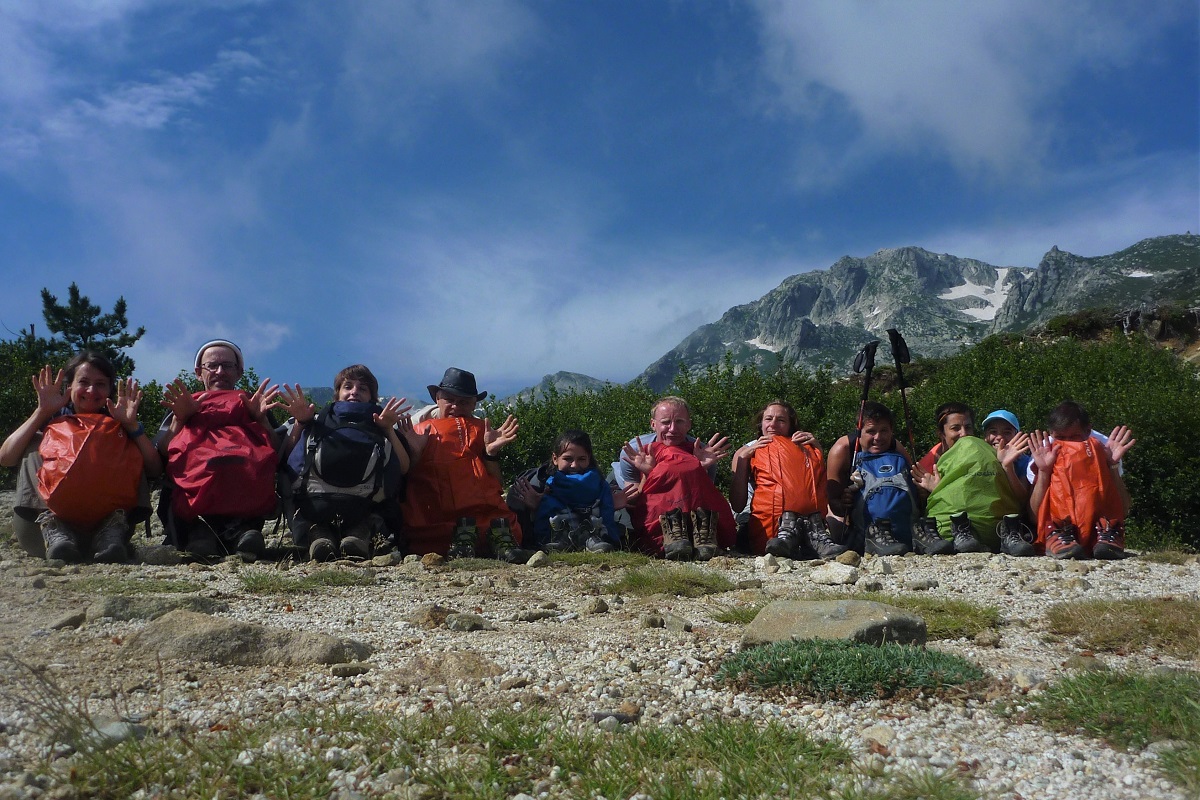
{"x": 972, "y": 481}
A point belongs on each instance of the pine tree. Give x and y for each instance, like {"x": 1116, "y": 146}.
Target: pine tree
{"x": 82, "y": 326}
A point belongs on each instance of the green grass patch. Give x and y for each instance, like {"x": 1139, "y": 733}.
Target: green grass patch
{"x": 1181, "y": 766}
{"x": 1124, "y": 709}
{"x": 465, "y": 754}
{"x": 1169, "y": 626}
{"x": 680, "y": 580}
{"x": 476, "y": 564}
{"x": 828, "y": 668}
{"x": 262, "y": 581}
{"x": 618, "y": 558}
{"x": 911, "y": 786}
{"x": 111, "y": 584}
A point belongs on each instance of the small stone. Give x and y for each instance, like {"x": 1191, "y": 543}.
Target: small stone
{"x": 879, "y": 566}
{"x": 430, "y": 615}
{"x": 534, "y": 615}
{"x": 593, "y": 605}
{"x": 750, "y": 583}
{"x": 72, "y": 620}
{"x": 538, "y": 559}
{"x": 467, "y": 622}
{"x": 514, "y": 682}
{"x": 1025, "y": 679}
{"x": 630, "y": 709}
{"x": 879, "y": 733}
{"x": 1079, "y": 567}
{"x": 38, "y": 583}
{"x": 432, "y": 560}
{"x": 921, "y": 585}
{"x": 652, "y": 621}
{"x": 870, "y": 585}
{"x": 386, "y": 560}
{"x": 1081, "y": 662}
{"x": 609, "y": 724}
{"x": 834, "y": 574}
{"x": 158, "y": 555}
{"x": 1079, "y": 584}
{"x": 412, "y": 558}
{"x": 349, "y": 670}
{"x": 988, "y": 637}
{"x": 675, "y": 623}
{"x": 849, "y": 558}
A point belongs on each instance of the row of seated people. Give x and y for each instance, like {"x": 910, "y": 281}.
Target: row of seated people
{"x": 84, "y": 464}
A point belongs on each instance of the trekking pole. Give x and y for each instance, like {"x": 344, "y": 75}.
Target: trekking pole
{"x": 864, "y": 362}
{"x": 901, "y": 355}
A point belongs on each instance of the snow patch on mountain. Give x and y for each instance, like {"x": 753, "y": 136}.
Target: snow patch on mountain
{"x": 993, "y": 296}
{"x": 761, "y": 345}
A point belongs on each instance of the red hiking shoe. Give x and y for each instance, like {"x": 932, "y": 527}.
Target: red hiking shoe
{"x": 1110, "y": 540}
{"x": 1063, "y": 541}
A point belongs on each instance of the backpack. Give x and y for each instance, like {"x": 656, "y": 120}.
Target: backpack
{"x": 1081, "y": 490}
{"x": 887, "y": 492}
{"x": 972, "y": 481}
{"x": 90, "y": 468}
{"x": 787, "y": 477}
{"x": 344, "y": 455}
{"x": 222, "y": 462}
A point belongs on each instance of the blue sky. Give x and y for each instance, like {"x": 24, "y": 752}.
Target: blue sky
{"x": 518, "y": 188}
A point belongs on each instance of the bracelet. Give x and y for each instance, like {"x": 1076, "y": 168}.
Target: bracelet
{"x": 489, "y": 457}
{"x": 140, "y": 430}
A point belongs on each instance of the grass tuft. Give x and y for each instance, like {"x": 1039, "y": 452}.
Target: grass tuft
{"x": 828, "y": 668}
{"x": 1124, "y": 709}
{"x": 1176, "y": 557}
{"x": 739, "y": 615}
{"x": 1181, "y": 766}
{"x": 261, "y": 581}
{"x": 1169, "y": 626}
{"x": 111, "y": 584}
{"x": 682, "y": 580}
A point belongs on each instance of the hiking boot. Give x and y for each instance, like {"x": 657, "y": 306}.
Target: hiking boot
{"x": 880, "y": 541}
{"x": 1015, "y": 538}
{"x": 250, "y": 544}
{"x": 819, "y": 539}
{"x": 108, "y": 543}
{"x": 202, "y": 543}
{"x": 560, "y": 533}
{"x": 1110, "y": 540}
{"x": 504, "y": 546}
{"x": 60, "y": 542}
{"x": 677, "y": 544}
{"x": 965, "y": 540}
{"x": 704, "y": 533}
{"x": 356, "y": 544}
{"x": 786, "y": 541}
{"x": 1063, "y": 541}
{"x": 462, "y": 543}
{"x": 322, "y": 548}
{"x": 926, "y": 539}
{"x": 598, "y": 544}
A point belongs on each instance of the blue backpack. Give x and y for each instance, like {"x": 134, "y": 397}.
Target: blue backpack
{"x": 887, "y": 493}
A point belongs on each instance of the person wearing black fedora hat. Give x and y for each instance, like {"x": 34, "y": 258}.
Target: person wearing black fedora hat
{"x": 453, "y": 503}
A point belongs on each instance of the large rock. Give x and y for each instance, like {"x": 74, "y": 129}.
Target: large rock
{"x": 123, "y": 608}
{"x": 189, "y": 636}
{"x": 853, "y": 620}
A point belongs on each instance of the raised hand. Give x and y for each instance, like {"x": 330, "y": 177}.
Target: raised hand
{"x": 712, "y": 452}
{"x": 926, "y": 480}
{"x": 263, "y": 400}
{"x": 804, "y": 437}
{"x": 496, "y": 438}
{"x": 1043, "y": 450}
{"x": 49, "y": 389}
{"x": 124, "y": 409}
{"x": 178, "y": 398}
{"x": 1016, "y": 446}
{"x": 393, "y": 411}
{"x": 527, "y": 494}
{"x": 1119, "y": 442}
{"x": 641, "y": 459}
{"x": 746, "y": 450}
{"x": 292, "y": 400}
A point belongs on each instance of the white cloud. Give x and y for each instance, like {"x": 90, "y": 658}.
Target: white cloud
{"x": 972, "y": 82}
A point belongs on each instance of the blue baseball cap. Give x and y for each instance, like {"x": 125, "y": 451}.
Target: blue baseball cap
{"x": 1007, "y": 416}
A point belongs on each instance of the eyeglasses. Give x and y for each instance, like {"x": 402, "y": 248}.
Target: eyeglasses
{"x": 220, "y": 366}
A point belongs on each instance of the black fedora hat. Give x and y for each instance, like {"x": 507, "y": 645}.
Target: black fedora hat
{"x": 458, "y": 382}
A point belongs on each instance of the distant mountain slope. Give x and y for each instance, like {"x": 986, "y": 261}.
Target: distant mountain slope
{"x": 940, "y": 302}
{"x": 563, "y": 382}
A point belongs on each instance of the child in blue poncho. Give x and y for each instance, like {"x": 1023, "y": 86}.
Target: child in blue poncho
{"x": 568, "y": 500}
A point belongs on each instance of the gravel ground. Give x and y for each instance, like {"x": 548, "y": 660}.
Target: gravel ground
{"x": 552, "y": 646}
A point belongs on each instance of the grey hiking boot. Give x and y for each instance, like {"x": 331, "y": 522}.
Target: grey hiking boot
{"x": 786, "y": 541}
{"x": 60, "y": 541}
{"x": 598, "y": 544}
{"x": 356, "y": 543}
{"x": 202, "y": 543}
{"x": 462, "y": 543}
{"x": 560, "y": 533}
{"x": 1110, "y": 540}
{"x": 677, "y": 543}
{"x": 880, "y": 541}
{"x": 926, "y": 539}
{"x": 704, "y": 533}
{"x": 250, "y": 544}
{"x": 963, "y": 532}
{"x": 1015, "y": 538}
{"x": 820, "y": 540}
{"x": 504, "y": 546}
{"x": 108, "y": 543}
{"x": 321, "y": 546}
